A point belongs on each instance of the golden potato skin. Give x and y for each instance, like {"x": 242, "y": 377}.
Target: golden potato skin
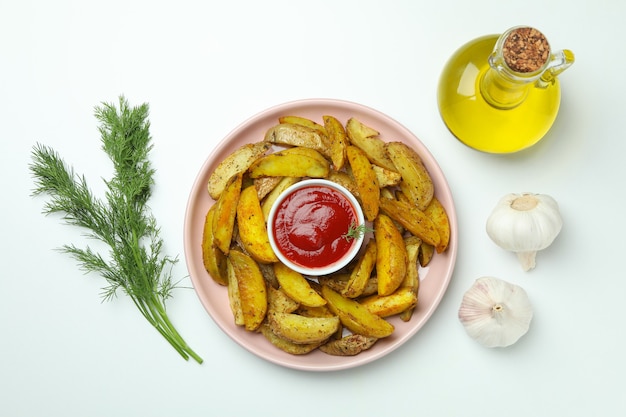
{"x": 337, "y": 141}
{"x": 361, "y": 272}
{"x": 367, "y": 139}
{"x": 404, "y": 298}
{"x": 391, "y": 256}
{"x": 296, "y": 286}
{"x": 213, "y": 258}
{"x": 293, "y": 162}
{"x": 226, "y": 213}
{"x": 350, "y": 345}
{"x": 252, "y": 228}
{"x": 298, "y": 134}
{"x": 366, "y": 181}
{"x": 437, "y": 213}
{"x": 416, "y": 182}
{"x": 235, "y": 163}
{"x": 411, "y": 218}
{"x": 302, "y": 330}
{"x": 252, "y": 289}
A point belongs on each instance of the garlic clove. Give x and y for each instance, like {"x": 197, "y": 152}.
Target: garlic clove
{"x": 495, "y": 313}
{"x": 525, "y": 223}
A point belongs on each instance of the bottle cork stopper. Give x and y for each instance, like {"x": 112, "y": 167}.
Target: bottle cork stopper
{"x": 525, "y": 50}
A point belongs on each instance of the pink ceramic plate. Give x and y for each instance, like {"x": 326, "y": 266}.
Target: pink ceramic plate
{"x": 434, "y": 278}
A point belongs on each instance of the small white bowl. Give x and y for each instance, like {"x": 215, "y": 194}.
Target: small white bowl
{"x": 320, "y": 269}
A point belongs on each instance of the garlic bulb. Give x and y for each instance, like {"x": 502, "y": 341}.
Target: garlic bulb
{"x": 495, "y": 313}
{"x": 524, "y": 224}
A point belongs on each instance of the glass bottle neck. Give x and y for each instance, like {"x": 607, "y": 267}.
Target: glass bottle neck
{"x": 502, "y": 91}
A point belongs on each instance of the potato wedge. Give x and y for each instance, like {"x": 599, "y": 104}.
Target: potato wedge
{"x": 297, "y": 287}
{"x": 391, "y": 256}
{"x": 235, "y": 163}
{"x": 349, "y": 345}
{"x": 437, "y": 213}
{"x": 303, "y": 162}
{"x": 366, "y": 181}
{"x": 278, "y": 301}
{"x": 252, "y": 228}
{"x": 425, "y": 254}
{"x": 234, "y": 301}
{"x": 252, "y": 289}
{"x": 344, "y": 179}
{"x": 368, "y": 140}
{"x": 265, "y": 185}
{"x": 411, "y": 279}
{"x": 361, "y": 272}
{"x": 416, "y": 181}
{"x": 356, "y": 317}
{"x": 213, "y": 258}
{"x": 303, "y": 121}
{"x": 268, "y": 202}
{"x": 286, "y": 345}
{"x": 412, "y": 218}
{"x": 337, "y": 141}
{"x": 388, "y": 305}
{"x": 385, "y": 177}
{"x": 298, "y": 135}
{"x": 302, "y": 330}
{"x": 226, "y": 213}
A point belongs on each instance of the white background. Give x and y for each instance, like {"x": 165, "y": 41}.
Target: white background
{"x": 204, "y": 67}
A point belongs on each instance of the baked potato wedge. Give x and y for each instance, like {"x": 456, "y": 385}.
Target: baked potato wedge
{"x": 411, "y": 279}
{"x": 366, "y": 181}
{"x": 303, "y": 121}
{"x": 361, "y": 273}
{"x": 234, "y": 301}
{"x": 385, "y": 177}
{"x": 416, "y": 182}
{"x": 235, "y": 163}
{"x": 300, "y": 329}
{"x": 337, "y": 141}
{"x": 425, "y": 254}
{"x": 292, "y": 162}
{"x": 356, "y": 317}
{"x": 389, "y": 305}
{"x": 213, "y": 258}
{"x": 252, "y": 289}
{"x": 286, "y": 345}
{"x": 367, "y": 139}
{"x": 437, "y": 213}
{"x": 296, "y": 286}
{"x": 226, "y": 214}
{"x": 278, "y": 301}
{"x": 298, "y": 135}
{"x": 349, "y": 345}
{"x": 391, "y": 256}
{"x": 251, "y": 227}
{"x": 411, "y": 218}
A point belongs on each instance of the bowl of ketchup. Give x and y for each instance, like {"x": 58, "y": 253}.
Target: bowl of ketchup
{"x": 314, "y": 227}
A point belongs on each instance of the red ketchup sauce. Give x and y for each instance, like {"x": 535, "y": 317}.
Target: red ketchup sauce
{"x": 310, "y": 226}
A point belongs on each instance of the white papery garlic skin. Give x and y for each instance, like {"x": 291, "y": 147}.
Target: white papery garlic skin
{"x": 524, "y": 224}
{"x": 495, "y": 313}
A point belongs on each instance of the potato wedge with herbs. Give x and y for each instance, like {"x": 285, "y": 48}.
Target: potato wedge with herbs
{"x": 226, "y": 213}
{"x": 366, "y": 181}
{"x": 350, "y": 345}
{"x": 389, "y": 305}
{"x": 234, "y": 301}
{"x": 391, "y": 256}
{"x": 303, "y": 121}
{"x": 252, "y": 228}
{"x": 293, "y": 162}
{"x": 385, "y": 177}
{"x": 213, "y": 258}
{"x": 368, "y": 140}
{"x": 265, "y": 185}
{"x": 302, "y": 330}
{"x": 356, "y": 317}
{"x": 270, "y": 199}
{"x": 411, "y": 279}
{"x": 416, "y": 182}
{"x": 437, "y": 213}
{"x": 297, "y": 135}
{"x": 278, "y": 301}
{"x": 344, "y": 179}
{"x": 412, "y": 218}
{"x": 337, "y": 141}
{"x": 252, "y": 289}
{"x": 361, "y": 273}
{"x": 286, "y": 345}
{"x": 296, "y": 286}
{"x": 235, "y": 163}
{"x": 425, "y": 254}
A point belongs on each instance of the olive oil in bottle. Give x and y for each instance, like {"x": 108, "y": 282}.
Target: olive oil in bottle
{"x": 500, "y": 94}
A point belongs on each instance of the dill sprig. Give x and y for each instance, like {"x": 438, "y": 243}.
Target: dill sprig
{"x": 355, "y": 232}
{"x": 134, "y": 263}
